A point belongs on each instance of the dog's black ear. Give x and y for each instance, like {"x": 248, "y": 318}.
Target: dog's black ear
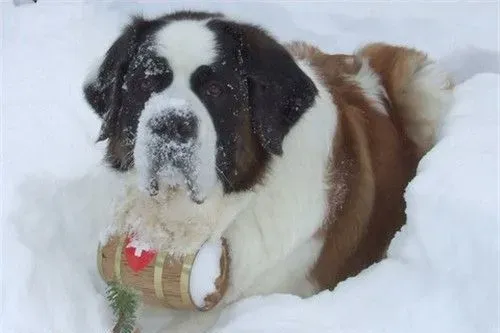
{"x": 279, "y": 91}
{"x": 103, "y": 89}
{"x": 276, "y": 104}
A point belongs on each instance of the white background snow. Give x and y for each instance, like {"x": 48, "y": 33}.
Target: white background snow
{"x": 443, "y": 267}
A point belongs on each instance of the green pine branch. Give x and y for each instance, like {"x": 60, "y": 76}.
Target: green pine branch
{"x": 124, "y": 302}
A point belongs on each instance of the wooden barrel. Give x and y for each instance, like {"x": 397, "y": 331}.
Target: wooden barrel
{"x": 164, "y": 281}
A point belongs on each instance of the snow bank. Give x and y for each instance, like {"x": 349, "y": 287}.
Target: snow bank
{"x": 49, "y": 255}
{"x": 442, "y": 271}
{"x": 53, "y": 194}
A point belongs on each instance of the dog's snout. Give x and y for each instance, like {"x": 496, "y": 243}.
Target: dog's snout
{"x": 175, "y": 126}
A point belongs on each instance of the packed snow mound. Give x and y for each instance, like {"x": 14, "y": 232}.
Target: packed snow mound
{"x": 49, "y": 266}
{"x": 441, "y": 274}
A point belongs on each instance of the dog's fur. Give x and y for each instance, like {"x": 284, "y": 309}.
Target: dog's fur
{"x": 307, "y": 154}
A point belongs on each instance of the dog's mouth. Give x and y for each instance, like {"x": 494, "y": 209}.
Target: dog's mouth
{"x": 153, "y": 188}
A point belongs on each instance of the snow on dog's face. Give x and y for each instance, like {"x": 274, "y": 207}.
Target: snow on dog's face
{"x": 192, "y": 99}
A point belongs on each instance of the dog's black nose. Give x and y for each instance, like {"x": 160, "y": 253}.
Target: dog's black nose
{"x": 175, "y": 126}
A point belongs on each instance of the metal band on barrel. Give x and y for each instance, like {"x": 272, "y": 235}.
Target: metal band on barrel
{"x": 157, "y": 275}
{"x": 187, "y": 264}
{"x": 118, "y": 259}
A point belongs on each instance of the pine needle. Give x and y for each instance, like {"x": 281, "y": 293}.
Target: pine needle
{"x": 124, "y": 302}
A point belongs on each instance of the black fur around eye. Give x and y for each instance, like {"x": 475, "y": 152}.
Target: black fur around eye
{"x": 146, "y": 84}
{"x": 213, "y": 89}
{"x": 157, "y": 82}
{"x": 204, "y": 71}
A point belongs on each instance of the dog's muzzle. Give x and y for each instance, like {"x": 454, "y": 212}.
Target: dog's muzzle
{"x": 170, "y": 147}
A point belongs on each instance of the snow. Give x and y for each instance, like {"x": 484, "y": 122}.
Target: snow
{"x": 139, "y": 246}
{"x": 204, "y": 272}
{"x": 441, "y": 274}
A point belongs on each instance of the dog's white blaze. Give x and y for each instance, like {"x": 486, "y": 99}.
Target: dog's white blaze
{"x": 186, "y": 45}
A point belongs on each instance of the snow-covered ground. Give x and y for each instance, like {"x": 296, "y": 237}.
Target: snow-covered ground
{"x": 442, "y": 273}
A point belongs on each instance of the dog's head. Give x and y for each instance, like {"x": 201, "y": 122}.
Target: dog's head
{"x": 197, "y": 100}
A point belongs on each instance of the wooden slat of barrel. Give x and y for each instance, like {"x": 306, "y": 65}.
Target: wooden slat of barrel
{"x": 175, "y": 289}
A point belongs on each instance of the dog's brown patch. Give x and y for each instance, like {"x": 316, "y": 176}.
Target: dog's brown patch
{"x": 397, "y": 68}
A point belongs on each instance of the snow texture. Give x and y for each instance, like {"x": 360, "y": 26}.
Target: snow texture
{"x": 139, "y": 246}
{"x": 204, "y": 272}
{"x": 441, "y": 273}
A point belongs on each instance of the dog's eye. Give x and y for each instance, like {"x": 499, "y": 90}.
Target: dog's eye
{"x": 213, "y": 89}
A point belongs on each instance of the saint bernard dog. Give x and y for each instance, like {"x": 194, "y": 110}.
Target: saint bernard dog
{"x": 304, "y": 155}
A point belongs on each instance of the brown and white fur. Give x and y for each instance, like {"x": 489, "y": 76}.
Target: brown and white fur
{"x": 324, "y": 202}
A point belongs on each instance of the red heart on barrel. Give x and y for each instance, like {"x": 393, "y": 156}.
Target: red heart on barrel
{"x": 137, "y": 263}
